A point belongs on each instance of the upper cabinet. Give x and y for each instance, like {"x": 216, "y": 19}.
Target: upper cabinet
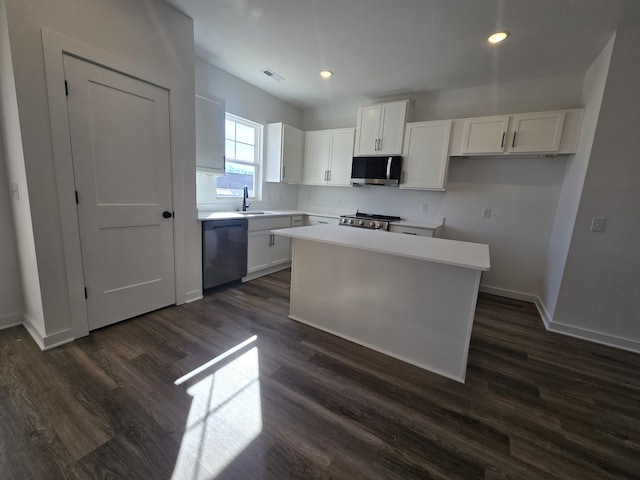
{"x": 210, "y": 134}
{"x": 380, "y": 128}
{"x": 327, "y": 157}
{"x": 284, "y": 151}
{"x": 485, "y": 134}
{"x": 426, "y": 155}
{"x": 536, "y": 132}
{"x": 552, "y": 133}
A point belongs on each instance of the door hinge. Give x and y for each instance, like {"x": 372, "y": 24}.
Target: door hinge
{"x": 76, "y": 197}
{"x": 66, "y": 88}
{"x": 85, "y": 293}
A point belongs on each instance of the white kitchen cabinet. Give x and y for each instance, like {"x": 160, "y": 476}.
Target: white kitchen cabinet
{"x": 328, "y": 156}
{"x": 258, "y": 249}
{"x": 380, "y": 128}
{"x": 284, "y": 152}
{"x": 210, "y": 134}
{"x": 484, "y": 135}
{"x": 320, "y": 220}
{"x": 552, "y": 133}
{"x": 418, "y": 231}
{"x": 297, "y": 220}
{"x": 426, "y": 155}
{"x": 536, "y": 132}
{"x": 266, "y": 252}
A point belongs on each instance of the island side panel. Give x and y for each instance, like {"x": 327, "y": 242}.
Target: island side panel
{"x": 417, "y": 311}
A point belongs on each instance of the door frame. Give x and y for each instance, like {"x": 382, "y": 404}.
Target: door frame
{"x": 55, "y": 46}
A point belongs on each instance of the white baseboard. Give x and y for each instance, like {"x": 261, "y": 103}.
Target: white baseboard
{"x": 47, "y": 342}
{"x": 10, "y": 320}
{"x": 266, "y": 271}
{"x": 585, "y": 333}
{"x": 193, "y": 296}
{"x": 503, "y": 292}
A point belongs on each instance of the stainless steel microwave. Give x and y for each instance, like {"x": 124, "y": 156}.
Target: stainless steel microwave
{"x": 376, "y": 170}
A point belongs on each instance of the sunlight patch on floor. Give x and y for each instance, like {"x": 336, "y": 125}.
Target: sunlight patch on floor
{"x": 225, "y": 415}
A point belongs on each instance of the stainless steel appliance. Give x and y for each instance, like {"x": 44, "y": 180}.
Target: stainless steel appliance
{"x": 368, "y": 220}
{"x": 376, "y": 170}
{"x": 224, "y": 251}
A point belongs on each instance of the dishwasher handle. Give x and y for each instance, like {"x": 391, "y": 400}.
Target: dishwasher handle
{"x": 209, "y": 225}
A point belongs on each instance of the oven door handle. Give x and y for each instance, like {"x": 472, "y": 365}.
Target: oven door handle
{"x": 389, "y": 168}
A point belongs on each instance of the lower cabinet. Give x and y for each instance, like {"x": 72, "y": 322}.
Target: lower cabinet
{"x": 266, "y": 252}
{"x": 419, "y": 231}
{"x": 320, "y": 220}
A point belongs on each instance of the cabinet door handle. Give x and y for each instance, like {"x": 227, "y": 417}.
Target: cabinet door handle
{"x": 284, "y": 172}
{"x": 329, "y": 175}
{"x": 513, "y": 144}
{"x": 379, "y": 144}
{"x": 504, "y": 134}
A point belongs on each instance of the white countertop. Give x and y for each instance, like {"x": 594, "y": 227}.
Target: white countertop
{"x": 248, "y": 214}
{"x": 208, "y": 215}
{"x": 439, "y": 250}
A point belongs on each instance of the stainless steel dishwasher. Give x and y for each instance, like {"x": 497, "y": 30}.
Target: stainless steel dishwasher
{"x": 224, "y": 251}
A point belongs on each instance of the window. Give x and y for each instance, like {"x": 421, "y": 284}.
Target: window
{"x": 243, "y": 149}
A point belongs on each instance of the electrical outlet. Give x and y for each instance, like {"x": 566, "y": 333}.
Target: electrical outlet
{"x": 486, "y": 213}
{"x": 597, "y": 224}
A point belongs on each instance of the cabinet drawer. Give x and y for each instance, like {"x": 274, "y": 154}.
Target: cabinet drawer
{"x": 317, "y": 220}
{"x": 422, "y": 232}
{"x": 268, "y": 223}
{"x": 297, "y": 220}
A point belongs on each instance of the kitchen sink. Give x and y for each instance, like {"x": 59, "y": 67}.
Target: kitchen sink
{"x": 252, "y": 213}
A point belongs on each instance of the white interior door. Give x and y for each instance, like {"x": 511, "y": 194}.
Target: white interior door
{"x": 122, "y": 165}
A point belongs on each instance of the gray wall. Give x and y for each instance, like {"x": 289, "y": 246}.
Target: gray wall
{"x": 592, "y": 92}
{"x": 600, "y": 292}
{"x": 521, "y": 191}
{"x": 247, "y": 101}
{"x": 149, "y": 33}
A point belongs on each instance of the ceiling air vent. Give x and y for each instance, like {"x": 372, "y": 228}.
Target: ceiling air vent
{"x": 273, "y": 75}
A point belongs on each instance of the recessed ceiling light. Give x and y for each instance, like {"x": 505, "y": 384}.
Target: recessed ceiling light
{"x": 326, "y": 73}
{"x": 497, "y": 37}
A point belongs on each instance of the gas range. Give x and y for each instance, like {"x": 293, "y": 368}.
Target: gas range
{"x": 368, "y": 220}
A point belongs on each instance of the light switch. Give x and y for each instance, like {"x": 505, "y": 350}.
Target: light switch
{"x": 486, "y": 213}
{"x": 597, "y": 224}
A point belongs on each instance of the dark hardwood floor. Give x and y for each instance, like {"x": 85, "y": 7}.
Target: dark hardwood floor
{"x": 130, "y": 402}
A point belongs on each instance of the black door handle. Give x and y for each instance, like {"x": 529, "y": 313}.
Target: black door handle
{"x": 167, "y": 214}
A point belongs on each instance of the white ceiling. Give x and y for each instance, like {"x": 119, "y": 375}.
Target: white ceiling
{"x": 386, "y": 47}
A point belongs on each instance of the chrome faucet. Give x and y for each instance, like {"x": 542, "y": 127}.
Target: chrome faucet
{"x": 245, "y": 195}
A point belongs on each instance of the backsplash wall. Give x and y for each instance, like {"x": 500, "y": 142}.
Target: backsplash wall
{"x": 521, "y": 192}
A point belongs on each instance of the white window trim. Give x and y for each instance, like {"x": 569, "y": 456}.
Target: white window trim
{"x": 257, "y": 192}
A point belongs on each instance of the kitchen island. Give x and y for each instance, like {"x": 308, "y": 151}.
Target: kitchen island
{"x": 412, "y": 298}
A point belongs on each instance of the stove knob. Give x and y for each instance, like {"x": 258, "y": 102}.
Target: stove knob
{"x": 361, "y": 222}
{"x": 352, "y": 221}
{"x": 372, "y": 224}
{"x": 344, "y": 220}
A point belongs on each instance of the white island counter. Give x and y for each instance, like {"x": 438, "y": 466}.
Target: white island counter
{"x": 412, "y": 298}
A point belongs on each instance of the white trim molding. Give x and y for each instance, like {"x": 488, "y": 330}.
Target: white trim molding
{"x": 55, "y": 46}
{"x": 47, "y": 342}
{"x": 503, "y": 292}
{"x": 584, "y": 333}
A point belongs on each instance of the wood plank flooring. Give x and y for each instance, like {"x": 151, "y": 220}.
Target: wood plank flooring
{"x": 296, "y": 403}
